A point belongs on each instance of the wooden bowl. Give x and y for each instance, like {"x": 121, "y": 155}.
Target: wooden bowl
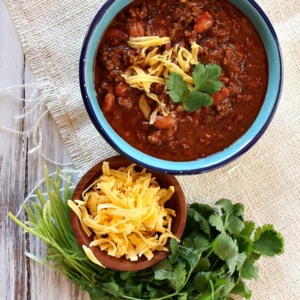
{"x": 177, "y": 202}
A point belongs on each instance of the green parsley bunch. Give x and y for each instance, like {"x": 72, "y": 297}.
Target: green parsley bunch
{"x": 217, "y": 253}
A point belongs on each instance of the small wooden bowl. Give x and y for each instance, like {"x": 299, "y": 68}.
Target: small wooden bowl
{"x": 177, "y": 202}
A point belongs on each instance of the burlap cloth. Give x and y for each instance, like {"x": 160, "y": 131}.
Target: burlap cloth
{"x": 266, "y": 179}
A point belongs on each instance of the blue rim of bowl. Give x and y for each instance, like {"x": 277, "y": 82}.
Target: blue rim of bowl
{"x": 201, "y": 165}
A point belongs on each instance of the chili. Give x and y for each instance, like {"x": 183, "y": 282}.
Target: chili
{"x": 225, "y": 37}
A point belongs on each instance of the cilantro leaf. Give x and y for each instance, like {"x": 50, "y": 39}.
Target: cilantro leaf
{"x": 206, "y": 78}
{"x": 196, "y": 99}
{"x": 111, "y": 288}
{"x": 203, "y": 265}
{"x": 190, "y": 252}
{"x": 234, "y": 214}
{"x": 183, "y": 296}
{"x": 201, "y": 281}
{"x": 208, "y": 293}
{"x": 154, "y": 293}
{"x": 236, "y": 262}
{"x": 206, "y": 82}
{"x": 226, "y": 205}
{"x": 204, "y": 209}
{"x": 238, "y": 210}
{"x": 241, "y": 289}
{"x": 249, "y": 270}
{"x": 177, "y": 276}
{"x": 224, "y": 247}
{"x": 133, "y": 290}
{"x": 227, "y": 287}
{"x": 254, "y": 256}
{"x": 269, "y": 243}
{"x": 248, "y": 229}
{"x": 260, "y": 230}
{"x": 201, "y": 221}
{"x": 162, "y": 270}
{"x": 199, "y": 75}
{"x": 200, "y": 244}
{"x": 234, "y": 224}
{"x": 216, "y": 221}
{"x": 177, "y": 87}
{"x": 244, "y": 244}
{"x": 219, "y": 285}
{"x": 174, "y": 251}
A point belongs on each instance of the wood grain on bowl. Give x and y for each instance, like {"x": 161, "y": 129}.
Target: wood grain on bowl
{"x": 176, "y": 202}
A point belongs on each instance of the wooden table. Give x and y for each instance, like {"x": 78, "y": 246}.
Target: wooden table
{"x": 21, "y": 278}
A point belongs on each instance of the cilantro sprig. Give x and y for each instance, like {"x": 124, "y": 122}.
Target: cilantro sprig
{"x": 217, "y": 254}
{"x": 206, "y": 80}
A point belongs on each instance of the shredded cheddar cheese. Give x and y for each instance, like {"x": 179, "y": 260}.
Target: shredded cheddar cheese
{"x": 89, "y": 253}
{"x": 152, "y": 66}
{"x": 148, "y": 41}
{"x": 124, "y": 210}
{"x": 144, "y": 107}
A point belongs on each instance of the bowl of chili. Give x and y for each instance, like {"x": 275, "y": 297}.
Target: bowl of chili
{"x": 181, "y": 87}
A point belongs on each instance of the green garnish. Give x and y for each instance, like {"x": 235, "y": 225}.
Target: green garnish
{"x": 218, "y": 252}
{"x": 207, "y": 82}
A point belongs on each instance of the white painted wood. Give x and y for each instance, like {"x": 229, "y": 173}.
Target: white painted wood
{"x": 44, "y": 283}
{"x": 13, "y": 279}
{"x": 21, "y": 278}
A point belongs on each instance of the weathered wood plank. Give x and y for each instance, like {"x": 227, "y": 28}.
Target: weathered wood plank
{"x": 13, "y": 279}
{"x": 19, "y": 173}
{"x": 45, "y": 283}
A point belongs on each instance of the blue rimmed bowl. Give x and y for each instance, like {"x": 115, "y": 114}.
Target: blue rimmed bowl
{"x": 86, "y": 69}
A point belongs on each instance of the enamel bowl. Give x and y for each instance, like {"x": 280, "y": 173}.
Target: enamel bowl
{"x": 259, "y": 19}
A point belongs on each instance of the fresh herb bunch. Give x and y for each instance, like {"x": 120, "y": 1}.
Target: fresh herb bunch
{"x": 207, "y": 82}
{"x": 217, "y": 253}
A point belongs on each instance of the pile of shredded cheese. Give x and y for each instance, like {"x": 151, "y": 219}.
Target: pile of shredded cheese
{"x": 153, "y": 66}
{"x": 125, "y": 211}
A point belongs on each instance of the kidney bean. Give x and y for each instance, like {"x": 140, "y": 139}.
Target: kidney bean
{"x": 121, "y": 89}
{"x": 136, "y": 29}
{"x": 108, "y": 102}
{"x": 164, "y": 122}
{"x": 219, "y": 96}
{"x": 115, "y": 37}
{"x": 125, "y": 103}
{"x": 203, "y": 22}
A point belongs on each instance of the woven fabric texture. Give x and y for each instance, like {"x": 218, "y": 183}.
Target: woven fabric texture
{"x": 266, "y": 179}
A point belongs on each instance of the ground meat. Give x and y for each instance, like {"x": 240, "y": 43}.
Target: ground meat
{"x": 225, "y": 37}
{"x": 224, "y": 108}
{"x": 125, "y": 103}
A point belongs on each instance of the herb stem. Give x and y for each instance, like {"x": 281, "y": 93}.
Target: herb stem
{"x": 215, "y": 263}
{"x": 209, "y": 253}
{"x": 27, "y": 229}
